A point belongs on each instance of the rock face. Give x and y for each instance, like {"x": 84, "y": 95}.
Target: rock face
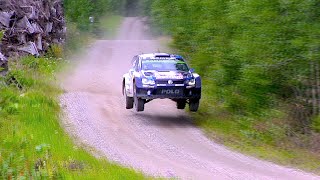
{"x": 30, "y": 27}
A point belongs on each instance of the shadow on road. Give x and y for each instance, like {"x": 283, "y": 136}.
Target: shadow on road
{"x": 165, "y": 121}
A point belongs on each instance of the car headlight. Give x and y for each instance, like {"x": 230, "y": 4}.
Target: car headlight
{"x": 148, "y": 81}
{"x": 189, "y": 75}
{"x": 191, "y": 82}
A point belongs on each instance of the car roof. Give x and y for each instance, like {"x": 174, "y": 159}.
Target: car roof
{"x": 160, "y": 56}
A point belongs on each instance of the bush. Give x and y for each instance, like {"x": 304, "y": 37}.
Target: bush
{"x": 79, "y": 11}
{"x": 316, "y": 124}
{"x": 55, "y": 51}
{"x": 1, "y": 35}
{"x": 258, "y": 51}
{"x": 32, "y": 143}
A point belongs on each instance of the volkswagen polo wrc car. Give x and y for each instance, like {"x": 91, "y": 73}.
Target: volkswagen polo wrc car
{"x": 161, "y": 76}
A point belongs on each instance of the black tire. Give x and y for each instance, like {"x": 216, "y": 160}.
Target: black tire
{"x": 129, "y": 100}
{"x": 194, "y": 105}
{"x": 138, "y": 102}
{"x": 181, "y": 104}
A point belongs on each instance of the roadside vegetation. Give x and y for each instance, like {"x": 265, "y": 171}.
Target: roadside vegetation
{"x": 105, "y": 14}
{"x": 33, "y": 145}
{"x": 259, "y": 61}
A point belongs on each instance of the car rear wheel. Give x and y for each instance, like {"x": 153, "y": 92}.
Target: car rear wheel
{"x": 181, "y": 104}
{"x": 128, "y": 100}
{"x": 194, "y": 105}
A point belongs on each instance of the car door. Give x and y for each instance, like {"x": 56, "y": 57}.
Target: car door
{"x": 132, "y": 72}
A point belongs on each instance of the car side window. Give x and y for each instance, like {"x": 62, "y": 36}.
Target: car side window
{"x": 134, "y": 60}
{"x": 136, "y": 67}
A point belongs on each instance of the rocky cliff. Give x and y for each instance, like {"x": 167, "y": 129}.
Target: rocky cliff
{"x": 30, "y": 27}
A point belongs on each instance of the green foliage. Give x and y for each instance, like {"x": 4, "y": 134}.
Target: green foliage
{"x": 18, "y": 79}
{"x": 118, "y": 6}
{"x": 254, "y": 57}
{"x": 316, "y": 124}
{"x": 145, "y": 7}
{"x": 76, "y": 38}
{"x": 109, "y": 25}
{"x": 79, "y": 11}
{"x": 1, "y": 35}
{"x": 252, "y": 50}
{"x": 32, "y": 143}
{"x": 55, "y": 51}
{"x": 80, "y": 31}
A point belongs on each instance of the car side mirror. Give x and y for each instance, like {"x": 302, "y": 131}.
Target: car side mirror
{"x": 191, "y": 70}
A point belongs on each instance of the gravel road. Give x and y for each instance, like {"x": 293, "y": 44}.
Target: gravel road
{"x": 161, "y": 141}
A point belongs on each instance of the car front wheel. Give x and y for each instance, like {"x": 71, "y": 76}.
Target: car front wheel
{"x": 138, "y": 102}
{"x": 194, "y": 105}
{"x": 181, "y": 104}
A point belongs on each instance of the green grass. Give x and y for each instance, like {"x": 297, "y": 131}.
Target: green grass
{"x": 76, "y": 39}
{"x": 264, "y": 136}
{"x": 32, "y": 142}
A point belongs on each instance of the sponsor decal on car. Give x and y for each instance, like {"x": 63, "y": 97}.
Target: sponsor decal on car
{"x": 170, "y": 75}
{"x": 170, "y": 91}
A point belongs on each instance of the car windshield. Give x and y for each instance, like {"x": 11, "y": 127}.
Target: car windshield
{"x": 164, "y": 65}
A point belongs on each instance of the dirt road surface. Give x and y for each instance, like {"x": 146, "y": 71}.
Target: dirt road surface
{"x": 161, "y": 141}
